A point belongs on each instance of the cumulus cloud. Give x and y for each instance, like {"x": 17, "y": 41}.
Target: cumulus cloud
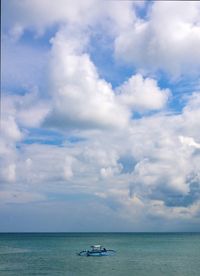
{"x": 142, "y": 94}
{"x": 17, "y": 112}
{"x": 81, "y": 99}
{"x": 162, "y": 41}
{"x": 191, "y": 116}
{"x": 169, "y": 40}
{"x": 167, "y": 167}
{"x": 34, "y": 15}
{"x": 26, "y": 110}
{"x": 162, "y": 182}
{"x": 10, "y": 129}
{"x": 164, "y": 162}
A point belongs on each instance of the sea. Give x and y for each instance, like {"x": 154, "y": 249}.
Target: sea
{"x": 137, "y": 254}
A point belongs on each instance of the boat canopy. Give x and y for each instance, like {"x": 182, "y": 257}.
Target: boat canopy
{"x": 96, "y": 247}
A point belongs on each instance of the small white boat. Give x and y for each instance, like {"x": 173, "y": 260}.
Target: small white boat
{"x": 97, "y": 250}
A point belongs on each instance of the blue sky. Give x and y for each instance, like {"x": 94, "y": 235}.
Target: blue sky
{"x": 100, "y": 115}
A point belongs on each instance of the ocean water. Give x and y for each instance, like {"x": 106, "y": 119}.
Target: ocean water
{"x": 149, "y": 254}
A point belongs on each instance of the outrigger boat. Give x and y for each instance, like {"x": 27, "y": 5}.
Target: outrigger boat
{"x": 97, "y": 250}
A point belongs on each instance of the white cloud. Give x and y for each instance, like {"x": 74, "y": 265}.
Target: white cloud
{"x": 10, "y": 129}
{"x": 189, "y": 141}
{"x": 40, "y": 15}
{"x": 164, "y": 180}
{"x": 17, "y": 112}
{"x": 191, "y": 117}
{"x": 142, "y": 94}
{"x": 68, "y": 171}
{"x": 8, "y": 173}
{"x": 163, "y": 41}
{"x": 110, "y": 171}
{"x": 168, "y": 40}
{"x": 80, "y": 97}
{"x": 163, "y": 168}
{"x": 26, "y": 110}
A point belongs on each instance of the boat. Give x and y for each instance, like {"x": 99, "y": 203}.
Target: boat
{"x": 97, "y": 250}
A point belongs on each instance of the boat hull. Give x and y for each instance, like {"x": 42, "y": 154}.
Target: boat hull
{"x": 97, "y": 254}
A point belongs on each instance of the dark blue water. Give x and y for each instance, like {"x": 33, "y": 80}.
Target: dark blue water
{"x": 176, "y": 254}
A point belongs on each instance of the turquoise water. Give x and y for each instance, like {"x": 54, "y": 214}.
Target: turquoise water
{"x": 176, "y": 254}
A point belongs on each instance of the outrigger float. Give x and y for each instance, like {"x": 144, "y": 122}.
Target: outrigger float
{"x": 97, "y": 250}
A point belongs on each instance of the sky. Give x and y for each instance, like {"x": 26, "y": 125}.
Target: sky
{"x": 100, "y": 116}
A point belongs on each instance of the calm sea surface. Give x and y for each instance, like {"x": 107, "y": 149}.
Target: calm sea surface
{"x": 137, "y": 254}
